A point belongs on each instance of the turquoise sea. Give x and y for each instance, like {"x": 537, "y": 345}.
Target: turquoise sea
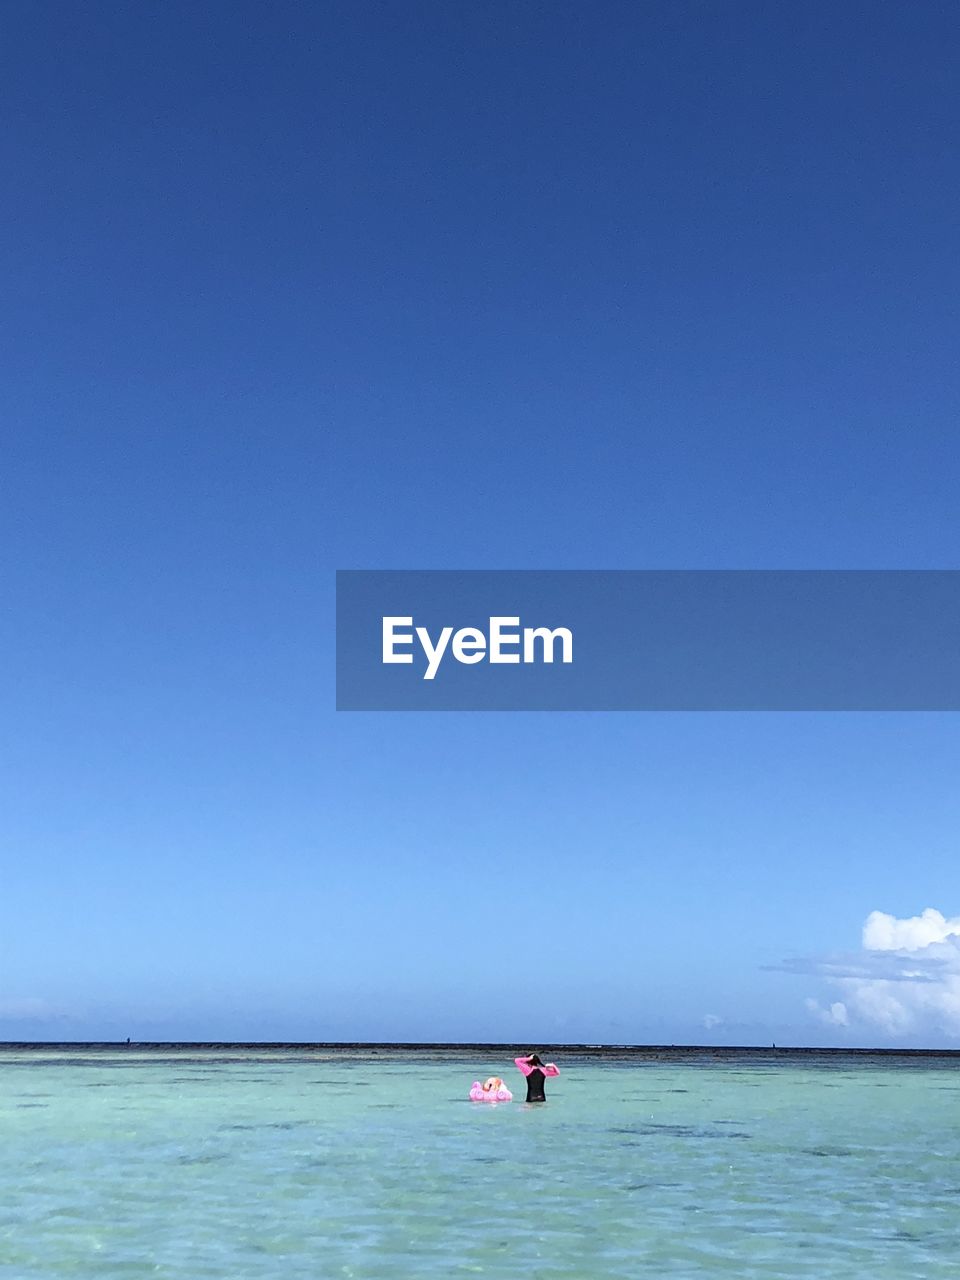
{"x": 186, "y": 1163}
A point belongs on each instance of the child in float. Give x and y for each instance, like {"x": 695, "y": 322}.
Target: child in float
{"x": 492, "y": 1090}
{"x": 536, "y": 1071}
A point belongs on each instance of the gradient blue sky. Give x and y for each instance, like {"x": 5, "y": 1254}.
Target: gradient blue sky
{"x": 294, "y": 287}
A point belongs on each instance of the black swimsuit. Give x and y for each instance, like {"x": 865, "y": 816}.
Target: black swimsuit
{"x": 535, "y": 1086}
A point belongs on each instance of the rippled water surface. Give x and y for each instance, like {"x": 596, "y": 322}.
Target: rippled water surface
{"x": 233, "y": 1164}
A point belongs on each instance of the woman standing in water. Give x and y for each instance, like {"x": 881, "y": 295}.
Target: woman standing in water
{"x": 536, "y": 1072}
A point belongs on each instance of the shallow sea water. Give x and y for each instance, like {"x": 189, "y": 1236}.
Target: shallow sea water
{"x": 209, "y": 1163}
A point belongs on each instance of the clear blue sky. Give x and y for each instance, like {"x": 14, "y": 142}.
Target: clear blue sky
{"x": 295, "y": 287}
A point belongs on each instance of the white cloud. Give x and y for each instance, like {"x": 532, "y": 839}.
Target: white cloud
{"x": 882, "y": 932}
{"x": 835, "y": 1015}
{"x": 711, "y": 1020}
{"x": 27, "y": 1009}
{"x": 906, "y": 981}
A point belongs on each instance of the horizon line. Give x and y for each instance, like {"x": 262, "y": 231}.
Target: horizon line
{"x": 504, "y": 1046}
